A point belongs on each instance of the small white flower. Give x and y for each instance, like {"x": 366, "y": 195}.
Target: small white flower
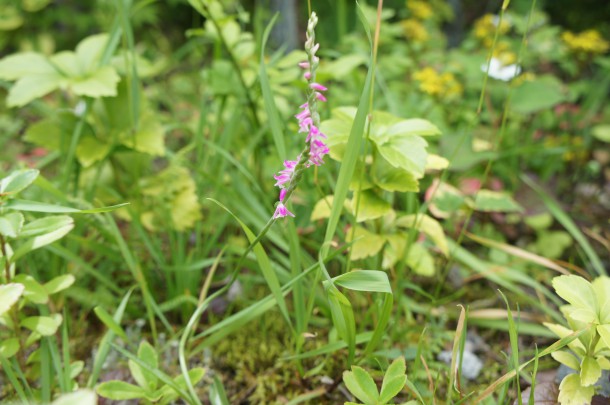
{"x": 497, "y": 70}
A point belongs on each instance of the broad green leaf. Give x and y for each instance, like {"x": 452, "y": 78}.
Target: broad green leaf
{"x": 10, "y": 224}
{"x": 45, "y": 225}
{"x": 143, "y": 377}
{"x": 9, "y": 295}
{"x": 577, "y": 291}
{"x": 19, "y": 65}
{"x": 407, "y": 153}
{"x": 590, "y": 371}
{"x": 366, "y": 243}
{"x": 17, "y": 181}
{"x": 436, "y": 162}
{"x": 362, "y": 385}
{"x": 446, "y": 200}
{"x": 420, "y": 260}
{"x": 149, "y": 138}
{"x": 561, "y": 331}
{"x": 601, "y": 132}
{"x": 428, "y": 225}
{"x": 604, "y": 333}
{"x": 89, "y": 51}
{"x": 398, "y": 368}
{"x": 91, "y": 150}
{"x": 30, "y": 88}
{"x": 567, "y": 358}
{"x": 110, "y": 323}
{"x": 394, "y": 250}
{"x": 33, "y": 292}
{"x": 119, "y": 390}
{"x": 552, "y": 244}
{"x": 364, "y": 280}
{"x": 542, "y": 93}
{"x": 370, "y": 205}
{"x": 82, "y": 396}
{"x": 100, "y": 83}
{"x": 601, "y": 286}
{"x": 41, "y": 240}
{"x": 571, "y": 392}
{"x": 391, "y": 388}
{"x": 66, "y": 63}
{"x": 322, "y": 208}
{"x": 390, "y": 178}
{"x": 603, "y": 362}
{"x": 59, "y": 283}
{"x": 9, "y": 347}
{"x": 217, "y": 395}
{"x": 494, "y": 201}
{"x": 44, "y": 325}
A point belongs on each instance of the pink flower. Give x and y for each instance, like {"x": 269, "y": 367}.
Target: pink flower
{"x": 317, "y": 150}
{"x": 281, "y": 211}
{"x": 285, "y": 175}
{"x": 320, "y": 96}
{"x": 317, "y": 87}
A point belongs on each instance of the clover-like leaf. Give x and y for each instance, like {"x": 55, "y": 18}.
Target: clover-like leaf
{"x": 571, "y": 392}
{"x": 361, "y": 385}
{"x": 119, "y": 390}
{"x": 577, "y": 291}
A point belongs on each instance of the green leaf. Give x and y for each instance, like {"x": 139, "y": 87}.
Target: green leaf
{"x": 361, "y": 385}
{"x": 42, "y": 240}
{"x": 25, "y": 64}
{"x": 9, "y": 295}
{"x": 590, "y": 371}
{"x": 366, "y": 243}
{"x": 107, "y": 320}
{"x": 420, "y": 260}
{"x": 428, "y": 225}
{"x": 364, "y": 280}
{"x": 343, "y": 317}
{"x": 143, "y": 377}
{"x": 35, "y": 206}
{"x": 100, "y": 83}
{"x": 149, "y": 138}
{"x": 394, "y": 380}
{"x": 542, "y": 93}
{"x": 407, "y": 153}
{"x": 390, "y": 178}
{"x": 82, "y": 396}
{"x": 10, "y": 224}
{"x": 322, "y": 208}
{"x": 577, "y": 291}
{"x": 59, "y": 283}
{"x": 601, "y": 132}
{"x": 9, "y": 347}
{"x": 494, "y": 201}
{"x": 44, "y": 325}
{"x": 561, "y": 331}
{"x": 33, "y": 292}
{"x": 18, "y": 181}
{"x": 604, "y": 333}
{"x": 91, "y": 150}
{"x": 30, "y": 88}
{"x": 601, "y": 286}
{"x": 571, "y": 392}
{"x": 567, "y": 358}
{"x": 119, "y": 390}
{"x": 411, "y": 127}
{"x": 217, "y": 395}
{"x": 370, "y": 205}
{"x": 45, "y": 225}
{"x": 89, "y": 51}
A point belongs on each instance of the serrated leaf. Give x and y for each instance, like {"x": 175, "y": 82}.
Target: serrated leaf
{"x": 143, "y": 377}
{"x": 361, "y": 384}
{"x": 601, "y": 286}
{"x": 370, "y": 206}
{"x": 571, "y": 392}
{"x": 59, "y": 283}
{"x": 10, "y": 224}
{"x": 44, "y": 325}
{"x": 407, "y": 153}
{"x": 392, "y": 388}
{"x": 30, "y": 88}
{"x": 604, "y": 333}
{"x": 100, "y": 83}
{"x": 18, "y": 181}
{"x": 9, "y": 295}
{"x": 119, "y": 390}
{"x": 19, "y": 65}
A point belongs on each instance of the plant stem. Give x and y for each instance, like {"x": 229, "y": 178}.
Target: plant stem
{"x": 7, "y": 262}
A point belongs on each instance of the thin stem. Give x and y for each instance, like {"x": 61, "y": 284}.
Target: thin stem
{"x": 7, "y": 262}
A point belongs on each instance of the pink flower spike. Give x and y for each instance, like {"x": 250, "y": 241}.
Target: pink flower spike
{"x": 320, "y": 96}
{"x": 317, "y": 87}
{"x": 281, "y": 211}
{"x": 307, "y": 75}
{"x": 282, "y": 194}
{"x": 304, "y": 65}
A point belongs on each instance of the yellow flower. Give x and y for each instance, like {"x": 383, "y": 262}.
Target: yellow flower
{"x": 485, "y": 28}
{"x": 419, "y": 9}
{"x": 587, "y": 42}
{"x": 435, "y": 84}
{"x": 414, "y": 30}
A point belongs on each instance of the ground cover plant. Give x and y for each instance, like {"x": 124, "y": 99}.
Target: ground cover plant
{"x": 329, "y": 202}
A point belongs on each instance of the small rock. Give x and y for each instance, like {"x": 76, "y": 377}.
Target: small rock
{"x": 471, "y": 365}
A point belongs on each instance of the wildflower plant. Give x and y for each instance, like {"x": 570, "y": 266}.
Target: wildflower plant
{"x": 309, "y": 123}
